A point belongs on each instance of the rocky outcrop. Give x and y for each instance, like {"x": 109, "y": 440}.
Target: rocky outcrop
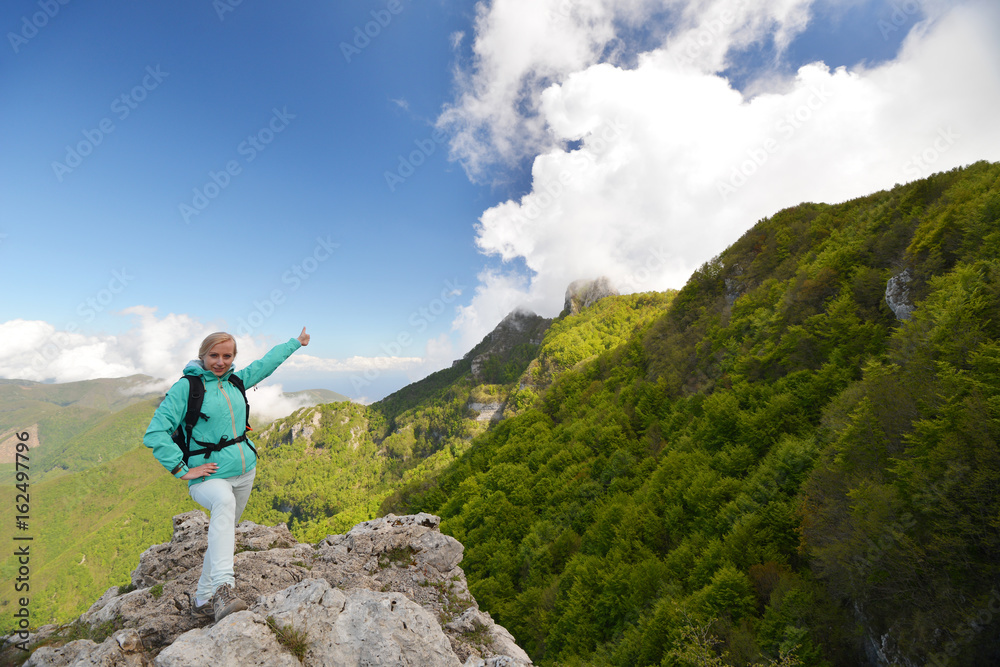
{"x": 897, "y": 295}
{"x": 582, "y": 294}
{"x": 487, "y": 412}
{"x": 389, "y": 592}
{"x": 518, "y": 328}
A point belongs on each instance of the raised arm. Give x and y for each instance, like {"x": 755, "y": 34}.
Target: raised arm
{"x": 267, "y": 364}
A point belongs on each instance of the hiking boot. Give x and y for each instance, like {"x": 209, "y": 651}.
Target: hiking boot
{"x": 202, "y": 611}
{"x": 225, "y": 602}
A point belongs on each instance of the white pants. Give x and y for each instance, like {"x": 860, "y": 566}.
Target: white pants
{"x": 225, "y": 499}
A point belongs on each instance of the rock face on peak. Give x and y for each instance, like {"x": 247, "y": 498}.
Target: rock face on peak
{"x": 389, "y": 592}
{"x": 520, "y": 327}
{"x": 582, "y": 294}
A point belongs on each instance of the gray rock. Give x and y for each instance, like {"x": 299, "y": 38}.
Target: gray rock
{"x": 582, "y": 294}
{"x": 897, "y": 295}
{"x": 238, "y": 640}
{"x": 474, "y": 621}
{"x": 123, "y": 649}
{"x": 184, "y": 551}
{"x": 488, "y": 412}
{"x": 359, "y": 627}
{"x": 59, "y": 656}
{"x": 389, "y": 592}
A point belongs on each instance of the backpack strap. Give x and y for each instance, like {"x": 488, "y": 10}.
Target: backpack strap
{"x": 196, "y": 397}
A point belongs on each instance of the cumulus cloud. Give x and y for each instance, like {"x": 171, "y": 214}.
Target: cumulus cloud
{"x": 523, "y": 46}
{"x": 269, "y": 402}
{"x": 520, "y": 46}
{"x": 35, "y": 350}
{"x": 653, "y": 169}
{"x": 160, "y": 346}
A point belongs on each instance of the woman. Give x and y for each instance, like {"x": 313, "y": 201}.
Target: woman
{"x": 219, "y": 480}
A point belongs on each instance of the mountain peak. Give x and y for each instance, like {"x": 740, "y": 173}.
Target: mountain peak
{"x": 520, "y": 327}
{"x": 582, "y": 294}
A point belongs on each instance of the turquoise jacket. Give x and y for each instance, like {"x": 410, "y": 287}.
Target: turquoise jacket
{"x": 227, "y": 415}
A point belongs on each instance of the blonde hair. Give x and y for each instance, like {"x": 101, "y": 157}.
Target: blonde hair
{"x": 212, "y": 340}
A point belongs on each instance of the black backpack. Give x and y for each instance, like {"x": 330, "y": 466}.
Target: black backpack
{"x": 196, "y": 396}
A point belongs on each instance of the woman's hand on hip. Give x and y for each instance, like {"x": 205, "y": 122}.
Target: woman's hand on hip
{"x": 204, "y": 470}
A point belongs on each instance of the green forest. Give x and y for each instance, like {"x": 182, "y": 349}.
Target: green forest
{"x": 776, "y": 470}
{"x": 767, "y": 467}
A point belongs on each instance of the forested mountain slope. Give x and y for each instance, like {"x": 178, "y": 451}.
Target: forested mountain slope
{"x": 778, "y": 468}
{"x": 772, "y": 466}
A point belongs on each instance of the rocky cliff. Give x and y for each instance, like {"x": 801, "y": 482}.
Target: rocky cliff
{"x": 389, "y": 592}
{"x": 519, "y": 328}
{"x": 582, "y": 294}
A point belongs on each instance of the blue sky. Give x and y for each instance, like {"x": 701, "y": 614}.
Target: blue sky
{"x": 170, "y": 169}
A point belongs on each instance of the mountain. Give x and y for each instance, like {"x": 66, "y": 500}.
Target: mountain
{"x": 388, "y": 592}
{"x": 795, "y": 463}
{"x": 792, "y": 460}
{"x": 324, "y": 468}
{"x": 317, "y": 396}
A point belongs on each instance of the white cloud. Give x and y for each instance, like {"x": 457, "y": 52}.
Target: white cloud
{"x": 673, "y": 164}
{"x": 268, "y": 402}
{"x": 523, "y": 46}
{"x": 34, "y": 350}
{"x": 439, "y": 354}
{"x": 305, "y": 362}
{"x": 160, "y": 347}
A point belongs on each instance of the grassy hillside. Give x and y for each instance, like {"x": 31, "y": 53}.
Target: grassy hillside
{"x": 323, "y": 469}
{"x": 88, "y": 529}
{"x": 320, "y": 473}
{"x": 79, "y": 423}
{"x": 777, "y": 469}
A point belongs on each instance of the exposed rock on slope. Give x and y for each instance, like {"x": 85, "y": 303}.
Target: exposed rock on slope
{"x": 897, "y": 295}
{"x": 582, "y": 294}
{"x": 520, "y": 327}
{"x": 389, "y": 592}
